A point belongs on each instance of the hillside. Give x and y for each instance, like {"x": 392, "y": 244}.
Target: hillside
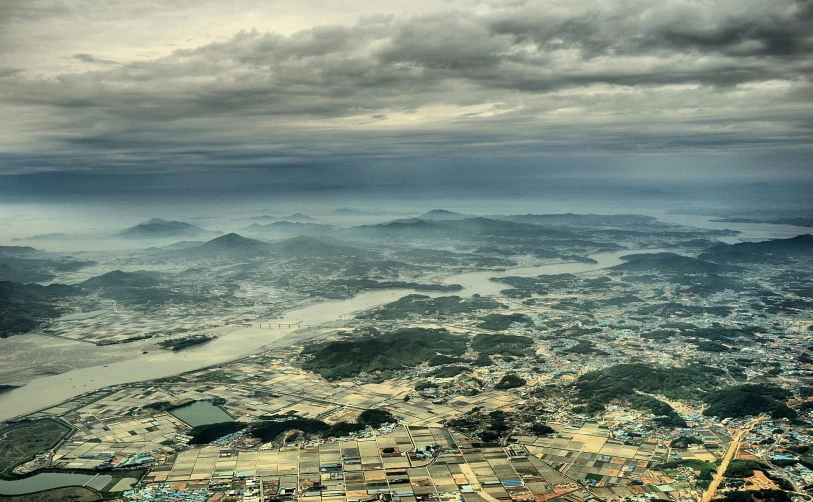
{"x": 761, "y": 252}
{"x": 230, "y": 244}
{"x": 297, "y": 217}
{"x": 158, "y": 228}
{"x": 590, "y": 220}
{"x": 668, "y": 263}
{"x": 9, "y": 273}
{"x": 442, "y": 215}
{"x": 289, "y": 228}
{"x": 24, "y": 307}
{"x": 119, "y": 279}
{"x": 326, "y": 248}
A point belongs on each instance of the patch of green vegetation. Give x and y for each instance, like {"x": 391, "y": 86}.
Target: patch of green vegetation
{"x": 658, "y": 334}
{"x": 204, "y": 434}
{"x": 163, "y": 406}
{"x": 743, "y": 400}
{"x": 706, "y": 469}
{"x": 597, "y": 388}
{"x": 756, "y": 496}
{"x": 576, "y": 332}
{"x": 426, "y": 385}
{"x": 680, "y": 310}
{"x": 440, "y": 359}
{"x": 483, "y": 360}
{"x": 448, "y": 371}
{"x": 217, "y": 376}
{"x": 622, "y": 300}
{"x": 506, "y": 345}
{"x": 176, "y": 344}
{"x": 375, "y": 418}
{"x": 705, "y": 346}
{"x": 742, "y": 468}
{"x": 542, "y": 429}
{"x": 510, "y": 381}
{"x": 683, "y": 442}
{"x": 664, "y": 414}
{"x": 346, "y": 288}
{"x": 404, "y": 348}
{"x": 583, "y": 347}
{"x": 501, "y": 322}
{"x": 66, "y": 494}
{"x": 22, "y": 441}
{"x": 422, "y": 305}
{"x": 737, "y": 372}
{"x": 25, "y": 307}
{"x": 274, "y": 425}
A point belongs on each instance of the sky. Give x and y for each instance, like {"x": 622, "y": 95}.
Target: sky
{"x": 140, "y": 97}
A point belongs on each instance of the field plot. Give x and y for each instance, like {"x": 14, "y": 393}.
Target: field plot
{"x": 588, "y": 454}
{"x": 21, "y": 442}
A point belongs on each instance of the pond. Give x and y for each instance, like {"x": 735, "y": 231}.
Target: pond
{"x": 201, "y": 413}
{"x": 50, "y": 480}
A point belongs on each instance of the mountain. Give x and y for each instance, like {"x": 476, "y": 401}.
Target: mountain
{"x": 326, "y": 248}
{"x": 290, "y": 228}
{"x": 157, "y": 228}
{"x": 41, "y": 237}
{"x": 411, "y": 228}
{"x": 262, "y": 217}
{"x": 232, "y": 242}
{"x": 761, "y": 252}
{"x": 346, "y": 211}
{"x": 9, "y": 273}
{"x": 796, "y": 221}
{"x": 183, "y": 245}
{"x": 477, "y": 228}
{"x": 16, "y": 250}
{"x": 443, "y": 215}
{"x": 119, "y": 279}
{"x": 591, "y": 220}
{"x": 15, "y": 291}
{"x": 24, "y": 307}
{"x": 299, "y": 217}
{"x": 668, "y": 263}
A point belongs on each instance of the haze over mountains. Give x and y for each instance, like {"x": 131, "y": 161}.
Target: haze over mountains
{"x": 158, "y": 228}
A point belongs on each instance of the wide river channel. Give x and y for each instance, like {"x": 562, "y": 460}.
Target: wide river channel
{"x": 48, "y": 391}
{"x": 51, "y": 390}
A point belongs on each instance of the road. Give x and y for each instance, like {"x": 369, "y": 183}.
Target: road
{"x": 733, "y": 448}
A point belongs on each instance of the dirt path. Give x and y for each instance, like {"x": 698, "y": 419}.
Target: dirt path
{"x": 733, "y": 448}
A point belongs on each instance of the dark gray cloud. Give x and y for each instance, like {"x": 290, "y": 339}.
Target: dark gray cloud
{"x": 521, "y": 80}
{"x": 90, "y": 58}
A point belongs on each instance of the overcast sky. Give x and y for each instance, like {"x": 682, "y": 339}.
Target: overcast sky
{"x": 321, "y": 89}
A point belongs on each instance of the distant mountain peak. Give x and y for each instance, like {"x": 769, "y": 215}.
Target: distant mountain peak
{"x": 233, "y": 241}
{"x": 118, "y": 278}
{"x": 157, "y": 228}
{"x": 297, "y": 217}
{"x": 443, "y": 214}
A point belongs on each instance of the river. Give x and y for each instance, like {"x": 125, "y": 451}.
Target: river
{"x": 51, "y": 390}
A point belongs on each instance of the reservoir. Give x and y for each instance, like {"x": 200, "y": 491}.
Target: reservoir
{"x": 201, "y": 413}
{"x": 50, "y": 480}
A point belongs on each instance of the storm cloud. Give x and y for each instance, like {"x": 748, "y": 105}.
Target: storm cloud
{"x": 504, "y": 79}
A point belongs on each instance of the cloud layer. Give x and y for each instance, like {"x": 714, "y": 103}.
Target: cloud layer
{"x": 504, "y": 79}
